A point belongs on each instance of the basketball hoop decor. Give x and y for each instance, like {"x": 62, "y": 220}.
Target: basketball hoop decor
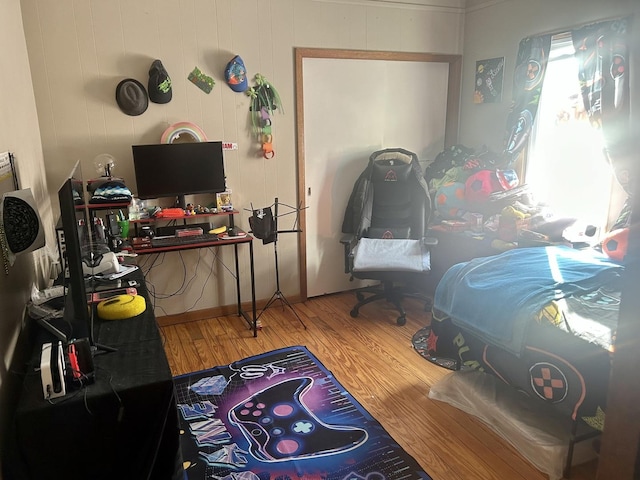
{"x": 265, "y": 100}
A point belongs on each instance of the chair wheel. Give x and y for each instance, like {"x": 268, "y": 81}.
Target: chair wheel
{"x": 353, "y": 313}
{"x": 359, "y": 296}
{"x": 401, "y": 320}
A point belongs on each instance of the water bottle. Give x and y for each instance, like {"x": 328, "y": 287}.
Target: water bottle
{"x": 134, "y": 209}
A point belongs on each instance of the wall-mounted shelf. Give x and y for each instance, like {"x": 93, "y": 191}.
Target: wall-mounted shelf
{"x": 105, "y": 206}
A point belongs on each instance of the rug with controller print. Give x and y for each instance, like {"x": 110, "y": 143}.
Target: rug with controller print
{"x": 282, "y": 415}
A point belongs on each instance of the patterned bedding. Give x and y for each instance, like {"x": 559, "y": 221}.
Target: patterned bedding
{"x": 566, "y": 356}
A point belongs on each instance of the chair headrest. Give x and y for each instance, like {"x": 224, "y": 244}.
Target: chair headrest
{"x": 390, "y": 171}
{"x": 397, "y": 155}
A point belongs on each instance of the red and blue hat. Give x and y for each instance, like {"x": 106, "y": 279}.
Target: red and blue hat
{"x": 235, "y": 74}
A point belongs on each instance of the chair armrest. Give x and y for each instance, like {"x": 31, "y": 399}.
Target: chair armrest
{"x": 348, "y": 241}
{"x": 430, "y": 241}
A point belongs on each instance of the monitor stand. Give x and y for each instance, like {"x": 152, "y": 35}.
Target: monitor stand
{"x": 46, "y": 324}
{"x": 96, "y": 348}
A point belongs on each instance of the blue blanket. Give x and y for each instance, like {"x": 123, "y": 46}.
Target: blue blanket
{"x": 495, "y": 297}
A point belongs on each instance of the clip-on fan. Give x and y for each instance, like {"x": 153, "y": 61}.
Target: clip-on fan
{"x": 264, "y": 225}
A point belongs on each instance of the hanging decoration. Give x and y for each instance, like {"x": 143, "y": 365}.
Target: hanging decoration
{"x": 201, "y": 80}
{"x": 265, "y": 100}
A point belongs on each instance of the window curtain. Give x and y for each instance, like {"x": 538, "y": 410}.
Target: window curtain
{"x": 602, "y": 51}
{"x": 531, "y": 64}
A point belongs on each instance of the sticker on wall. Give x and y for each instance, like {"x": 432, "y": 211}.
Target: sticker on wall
{"x": 200, "y": 80}
{"x": 489, "y": 75}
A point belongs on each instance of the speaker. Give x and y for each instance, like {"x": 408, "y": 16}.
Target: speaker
{"x": 20, "y": 224}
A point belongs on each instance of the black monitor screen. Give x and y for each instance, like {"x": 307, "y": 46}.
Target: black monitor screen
{"x": 73, "y": 214}
{"x": 176, "y": 169}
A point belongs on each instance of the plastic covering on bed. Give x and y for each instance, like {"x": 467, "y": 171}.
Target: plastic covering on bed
{"x": 538, "y": 434}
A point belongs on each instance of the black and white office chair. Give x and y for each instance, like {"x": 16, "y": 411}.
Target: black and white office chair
{"x": 385, "y": 230}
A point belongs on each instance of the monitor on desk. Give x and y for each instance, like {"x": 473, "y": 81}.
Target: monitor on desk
{"x": 178, "y": 169}
{"x": 73, "y": 213}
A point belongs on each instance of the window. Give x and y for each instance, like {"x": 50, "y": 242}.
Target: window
{"x": 566, "y": 167}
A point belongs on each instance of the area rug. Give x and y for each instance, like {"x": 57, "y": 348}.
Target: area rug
{"x": 282, "y": 415}
{"x": 420, "y": 342}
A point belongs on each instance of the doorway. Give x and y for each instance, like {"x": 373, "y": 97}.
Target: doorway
{"x": 341, "y": 121}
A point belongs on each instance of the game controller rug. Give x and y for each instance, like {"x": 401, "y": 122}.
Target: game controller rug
{"x": 282, "y": 415}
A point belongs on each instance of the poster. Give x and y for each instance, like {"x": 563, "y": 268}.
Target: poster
{"x": 489, "y": 76}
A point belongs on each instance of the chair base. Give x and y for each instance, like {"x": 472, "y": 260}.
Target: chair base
{"x": 391, "y": 293}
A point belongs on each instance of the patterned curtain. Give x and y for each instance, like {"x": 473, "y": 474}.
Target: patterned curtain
{"x": 602, "y": 51}
{"x": 531, "y": 65}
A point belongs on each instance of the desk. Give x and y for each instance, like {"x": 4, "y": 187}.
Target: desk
{"x": 248, "y": 239}
{"x": 123, "y": 426}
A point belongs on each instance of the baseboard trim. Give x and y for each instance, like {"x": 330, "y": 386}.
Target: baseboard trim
{"x": 222, "y": 311}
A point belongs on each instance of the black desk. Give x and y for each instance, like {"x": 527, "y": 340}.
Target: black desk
{"x": 123, "y": 426}
{"x": 235, "y": 242}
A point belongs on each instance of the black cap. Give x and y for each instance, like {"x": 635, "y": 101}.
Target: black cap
{"x": 159, "y": 83}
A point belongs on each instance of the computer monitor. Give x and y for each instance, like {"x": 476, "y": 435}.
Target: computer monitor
{"x": 178, "y": 169}
{"x": 73, "y": 213}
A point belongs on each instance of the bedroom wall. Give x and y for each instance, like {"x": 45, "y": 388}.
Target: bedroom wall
{"x": 484, "y": 124}
{"x": 20, "y": 134}
{"x": 79, "y": 51}
{"x": 494, "y": 29}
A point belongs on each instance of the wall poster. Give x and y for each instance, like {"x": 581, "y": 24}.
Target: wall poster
{"x": 489, "y": 75}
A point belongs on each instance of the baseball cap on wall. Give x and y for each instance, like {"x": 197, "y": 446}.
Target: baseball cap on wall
{"x": 131, "y": 97}
{"x": 235, "y": 74}
{"x": 159, "y": 83}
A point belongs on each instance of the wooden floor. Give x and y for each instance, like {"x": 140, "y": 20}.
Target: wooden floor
{"x": 373, "y": 359}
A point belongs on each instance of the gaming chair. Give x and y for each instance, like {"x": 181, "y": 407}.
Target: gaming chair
{"x": 385, "y": 229}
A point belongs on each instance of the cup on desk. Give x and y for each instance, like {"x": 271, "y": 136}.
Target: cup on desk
{"x": 124, "y": 228}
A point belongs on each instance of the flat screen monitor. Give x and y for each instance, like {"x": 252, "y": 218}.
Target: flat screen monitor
{"x": 73, "y": 214}
{"x": 178, "y": 169}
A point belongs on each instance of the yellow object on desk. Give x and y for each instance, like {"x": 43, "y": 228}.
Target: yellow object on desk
{"x": 120, "y": 307}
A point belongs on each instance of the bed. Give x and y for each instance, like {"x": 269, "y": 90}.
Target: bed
{"x": 542, "y": 319}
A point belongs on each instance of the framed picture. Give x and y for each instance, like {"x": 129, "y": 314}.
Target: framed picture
{"x": 489, "y": 76}
{"x": 223, "y": 201}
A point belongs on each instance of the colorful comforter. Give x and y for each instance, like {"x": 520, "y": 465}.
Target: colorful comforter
{"x": 564, "y": 357}
{"x": 494, "y": 297}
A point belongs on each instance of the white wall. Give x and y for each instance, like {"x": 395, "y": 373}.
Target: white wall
{"x": 494, "y": 29}
{"x": 20, "y": 134}
{"x": 79, "y": 51}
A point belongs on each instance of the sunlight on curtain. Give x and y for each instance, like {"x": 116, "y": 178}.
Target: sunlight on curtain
{"x": 566, "y": 168}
